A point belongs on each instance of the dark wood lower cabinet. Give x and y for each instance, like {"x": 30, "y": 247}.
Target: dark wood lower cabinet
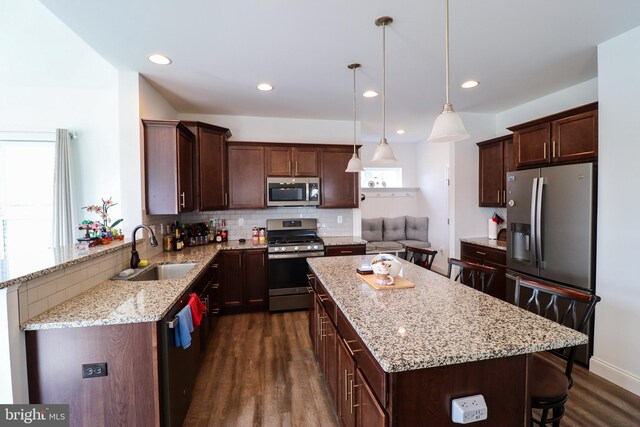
{"x": 364, "y": 395}
{"x": 244, "y": 280}
{"x": 496, "y": 258}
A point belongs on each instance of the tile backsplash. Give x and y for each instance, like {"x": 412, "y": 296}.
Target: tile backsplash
{"x": 240, "y": 223}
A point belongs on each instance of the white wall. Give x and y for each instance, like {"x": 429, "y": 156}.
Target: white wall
{"x": 617, "y": 341}
{"x": 51, "y": 79}
{"x": 467, "y": 219}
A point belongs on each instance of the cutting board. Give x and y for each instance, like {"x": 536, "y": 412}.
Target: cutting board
{"x": 398, "y": 282}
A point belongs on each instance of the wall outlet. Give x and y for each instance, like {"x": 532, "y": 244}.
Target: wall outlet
{"x": 470, "y": 409}
{"x": 93, "y": 370}
{"x": 339, "y": 219}
{"x": 240, "y": 222}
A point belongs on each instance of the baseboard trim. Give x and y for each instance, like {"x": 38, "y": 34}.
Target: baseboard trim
{"x": 616, "y": 375}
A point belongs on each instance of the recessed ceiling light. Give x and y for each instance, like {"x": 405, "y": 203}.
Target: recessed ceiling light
{"x": 159, "y": 59}
{"x": 370, "y": 94}
{"x": 400, "y": 131}
{"x": 469, "y": 84}
{"x": 264, "y": 87}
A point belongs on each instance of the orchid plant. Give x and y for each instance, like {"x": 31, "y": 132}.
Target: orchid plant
{"x": 103, "y": 212}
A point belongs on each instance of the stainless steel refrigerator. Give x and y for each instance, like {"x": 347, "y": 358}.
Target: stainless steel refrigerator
{"x": 551, "y": 228}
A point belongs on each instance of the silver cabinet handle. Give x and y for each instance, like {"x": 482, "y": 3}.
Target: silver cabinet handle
{"x": 226, "y": 202}
{"x": 296, "y": 167}
{"x": 498, "y": 196}
{"x": 553, "y": 148}
{"x": 544, "y": 152}
{"x": 504, "y": 196}
{"x": 182, "y": 199}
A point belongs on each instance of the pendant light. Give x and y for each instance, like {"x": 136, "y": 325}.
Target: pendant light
{"x": 355, "y": 164}
{"x": 383, "y": 153}
{"x": 448, "y": 126}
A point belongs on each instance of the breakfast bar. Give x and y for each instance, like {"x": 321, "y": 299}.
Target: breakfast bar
{"x": 399, "y": 356}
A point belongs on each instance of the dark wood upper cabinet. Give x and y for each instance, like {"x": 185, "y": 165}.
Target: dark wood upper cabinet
{"x": 566, "y": 137}
{"x": 246, "y": 176}
{"x": 495, "y": 162}
{"x": 283, "y": 160}
{"x": 210, "y": 165}
{"x": 339, "y": 189}
{"x": 575, "y": 137}
{"x": 169, "y": 148}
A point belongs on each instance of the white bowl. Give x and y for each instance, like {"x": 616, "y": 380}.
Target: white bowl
{"x": 386, "y": 260}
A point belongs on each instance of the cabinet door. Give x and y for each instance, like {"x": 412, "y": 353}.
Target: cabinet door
{"x": 346, "y": 371}
{"x": 279, "y": 161}
{"x": 246, "y": 177}
{"x": 370, "y": 413}
{"x": 491, "y": 175}
{"x": 305, "y": 161}
{"x": 532, "y": 145}
{"x": 338, "y": 189}
{"x": 232, "y": 279}
{"x": 185, "y": 170}
{"x": 331, "y": 359}
{"x": 575, "y": 138}
{"x": 212, "y": 169}
{"x": 255, "y": 278}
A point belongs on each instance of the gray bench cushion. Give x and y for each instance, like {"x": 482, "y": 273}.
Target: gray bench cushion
{"x": 417, "y": 229}
{"x": 372, "y": 229}
{"x": 394, "y": 229}
{"x": 387, "y": 246}
{"x": 415, "y": 243}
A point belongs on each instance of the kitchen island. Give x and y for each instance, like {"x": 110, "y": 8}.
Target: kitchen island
{"x": 398, "y": 357}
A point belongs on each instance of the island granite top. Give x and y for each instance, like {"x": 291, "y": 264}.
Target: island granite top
{"x": 120, "y": 301}
{"x": 436, "y": 323}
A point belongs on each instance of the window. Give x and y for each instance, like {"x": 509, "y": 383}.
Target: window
{"x": 381, "y": 178}
{"x": 26, "y": 192}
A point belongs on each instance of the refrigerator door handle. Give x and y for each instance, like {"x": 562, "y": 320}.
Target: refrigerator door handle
{"x": 534, "y": 198}
{"x": 539, "y": 255}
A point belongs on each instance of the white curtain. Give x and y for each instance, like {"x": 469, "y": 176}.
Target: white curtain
{"x": 62, "y": 214}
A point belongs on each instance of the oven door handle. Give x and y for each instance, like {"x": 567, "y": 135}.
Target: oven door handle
{"x": 296, "y": 255}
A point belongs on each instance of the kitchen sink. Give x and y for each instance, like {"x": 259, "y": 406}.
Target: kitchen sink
{"x": 164, "y": 272}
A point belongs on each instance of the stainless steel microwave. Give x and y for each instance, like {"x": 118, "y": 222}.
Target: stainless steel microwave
{"x": 287, "y": 191}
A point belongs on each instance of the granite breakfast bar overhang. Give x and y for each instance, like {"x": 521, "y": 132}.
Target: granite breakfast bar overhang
{"x": 438, "y": 341}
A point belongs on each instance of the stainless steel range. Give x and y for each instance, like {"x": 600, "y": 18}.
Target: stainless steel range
{"x": 290, "y": 243}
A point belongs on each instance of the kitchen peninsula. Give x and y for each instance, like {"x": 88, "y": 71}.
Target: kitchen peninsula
{"x": 398, "y": 357}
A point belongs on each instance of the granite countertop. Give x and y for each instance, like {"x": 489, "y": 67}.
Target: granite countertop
{"x": 484, "y": 241}
{"x": 18, "y": 268}
{"x": 120, "y": 301}
{"x": 343, "y": 240}
{"x": 437, "y": 323}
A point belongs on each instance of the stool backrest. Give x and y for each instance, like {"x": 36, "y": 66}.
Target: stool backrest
{"x": 569, "y": 307}
{"x": 420, "y": 256}
{"x": 479, "y": 277}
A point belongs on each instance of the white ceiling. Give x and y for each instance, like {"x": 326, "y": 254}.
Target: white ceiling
{"x": 518, "y": 50}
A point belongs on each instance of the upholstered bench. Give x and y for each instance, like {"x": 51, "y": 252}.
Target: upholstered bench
{"x": 393, "y": 234}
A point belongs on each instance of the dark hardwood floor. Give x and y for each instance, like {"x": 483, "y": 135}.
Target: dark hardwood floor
{"x": 259, "y": 370}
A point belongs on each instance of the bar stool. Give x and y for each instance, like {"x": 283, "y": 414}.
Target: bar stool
{"x": 419, "y": 256}
{"x": 479, "y": 277}
{"x": 549, "y": 386}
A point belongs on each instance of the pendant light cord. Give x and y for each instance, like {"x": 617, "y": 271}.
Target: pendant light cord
{"x": 446, "y": 51}
{"x": 354, "y": 111}
{"x": 384, "y": 84}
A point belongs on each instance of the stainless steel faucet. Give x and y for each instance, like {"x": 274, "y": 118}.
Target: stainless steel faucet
{"x": 135, "y": 258}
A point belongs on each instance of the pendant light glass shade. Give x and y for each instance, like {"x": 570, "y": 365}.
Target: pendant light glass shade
{"x": 384, "y": 153}
{"x": 355, "y": 164}
{"x": 448, "y": 126}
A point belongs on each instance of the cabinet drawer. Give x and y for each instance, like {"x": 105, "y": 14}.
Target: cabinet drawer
{"x": 481, "y": 254}
{"x": 326, "y": 300}
{"x": 345, "y": 250}
{"x": 373, "y": 373}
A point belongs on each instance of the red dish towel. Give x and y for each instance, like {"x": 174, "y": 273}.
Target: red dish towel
{"x": 197, "y": 308}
